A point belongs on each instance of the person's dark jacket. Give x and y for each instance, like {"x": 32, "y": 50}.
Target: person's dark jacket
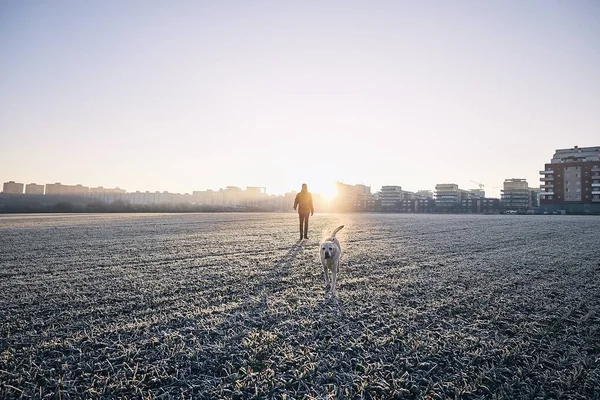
{"x": 304, "y": 202}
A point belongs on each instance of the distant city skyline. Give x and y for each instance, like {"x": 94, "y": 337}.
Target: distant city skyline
{"x": 199, "y": 95}
{"x": 571, "y": 184}
{"x": 328, "y": 193}
{"x": 474, "y": 186}
{"x": 108, "y": 189}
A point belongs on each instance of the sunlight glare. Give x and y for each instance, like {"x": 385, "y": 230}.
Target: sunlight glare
{"x": 326, "y": 190}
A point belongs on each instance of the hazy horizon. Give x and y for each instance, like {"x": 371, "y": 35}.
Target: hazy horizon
{"x": 199, "y": 95}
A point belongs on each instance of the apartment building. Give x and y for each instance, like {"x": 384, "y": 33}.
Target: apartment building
{"x": 418, "y": 204}
{"x": 205, "y": 197}
{"x": 353, "y": 198}
{"x": 480, "y": 205}
{"x": 277, "y": 203}
{"x": 447, "y": 193}
{"x": 476, "y": 193}
{"x": 390, "y": 197}
{"x": 33, "y": 188}
{"x": 424, "y": 194}
{"x": 255, "y": 196}
{"x": 289, "y": 199}
{"x": 408, "y": 206}
{"x": 448, "y": 197}
{"x": 516, "y": 195}
{"x": 535, "y": 197}
{"x": 60, "y": 189}
{"x": 12, "y": 187}
{"x": 102, "y": 190}
{"x": 571, "y": 181}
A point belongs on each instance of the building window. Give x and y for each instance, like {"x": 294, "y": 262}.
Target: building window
{"x": 578, "y": 197}
{"x": 578, "y": 190}
{"x": 576, "y": 175}
{"x": 550, "y": 197}
{"x": 567, "y": 183}
{"x": 567, "y": 190}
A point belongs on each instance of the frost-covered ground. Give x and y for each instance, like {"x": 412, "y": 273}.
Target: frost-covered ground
{"x": 232, "y": 306}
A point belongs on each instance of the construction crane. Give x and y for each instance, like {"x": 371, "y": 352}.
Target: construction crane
{"x": 481, "y": 185}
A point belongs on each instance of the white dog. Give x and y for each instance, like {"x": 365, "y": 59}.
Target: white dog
{"x": 331, "y": 252}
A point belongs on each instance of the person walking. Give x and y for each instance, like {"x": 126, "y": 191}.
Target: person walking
{"x": 304, "y": 203}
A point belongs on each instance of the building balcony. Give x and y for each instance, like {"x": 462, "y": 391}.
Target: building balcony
{"x": 595, "y": 191}
{"x": 547, "y": 186}
{"x": 595, "y": 185}
{"x": 546, "y": 193}
{"x": 547, "y": 172}
{"x": 595, "y": 169}
{"x": 547, "y": 179}
{"x": 596, "y": 200}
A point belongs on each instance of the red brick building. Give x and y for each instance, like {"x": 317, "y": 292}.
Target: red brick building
{"x": 571, "y": 181}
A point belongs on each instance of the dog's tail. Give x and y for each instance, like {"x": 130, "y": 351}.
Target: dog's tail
{"x": 339, "y": 228}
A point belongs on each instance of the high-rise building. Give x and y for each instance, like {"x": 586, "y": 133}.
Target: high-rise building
{"x": 56, "y": 188}
{"x": 571, "y": 181}
{"x": 516, "y": 195}
{"x": 255, "y": 196}
{"x": 206, "y": 197}
{"x": 32, "y": 188}
{"x": 102, "y": 190}
{"x": 60, "y": 189}
{"x": 12, "y": 187}
{"x": 79, "y": 189}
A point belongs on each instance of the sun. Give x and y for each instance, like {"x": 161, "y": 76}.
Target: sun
{"x": 327, "y": 191}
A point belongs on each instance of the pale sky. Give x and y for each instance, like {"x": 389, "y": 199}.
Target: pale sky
{"x": 184, "y": 96}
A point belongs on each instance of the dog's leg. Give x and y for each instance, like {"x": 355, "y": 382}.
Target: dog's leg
{"x": 325, "y": 276}
{"x": 333, "y": 279}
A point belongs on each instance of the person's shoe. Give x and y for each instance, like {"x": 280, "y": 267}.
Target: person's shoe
{"x": 305, "y": 237}
{"x": 300, "y": 237}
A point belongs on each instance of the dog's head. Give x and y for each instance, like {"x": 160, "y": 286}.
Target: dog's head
{"x": 329, "y": 249}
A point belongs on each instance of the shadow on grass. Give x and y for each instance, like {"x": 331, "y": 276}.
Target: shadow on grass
{"x": 289, "y": 257}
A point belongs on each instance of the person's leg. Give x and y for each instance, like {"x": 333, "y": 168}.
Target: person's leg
{"x": 301, "y": 217}
{"x": 306, "y": 227}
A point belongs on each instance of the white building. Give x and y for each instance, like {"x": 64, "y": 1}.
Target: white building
{"x": 581, "y": 154}
{"x": 390, "y": 196}
{"x": 516, "y": 194}
{"x": 448, "y": 194}
{"x": 33, "y": 188}
{"x": 12, "y": 187}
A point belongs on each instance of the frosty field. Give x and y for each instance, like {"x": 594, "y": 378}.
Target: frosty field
{"x": 232, "y": 306}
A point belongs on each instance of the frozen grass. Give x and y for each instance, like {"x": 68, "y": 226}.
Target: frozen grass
{"x": 231, "y": 306}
